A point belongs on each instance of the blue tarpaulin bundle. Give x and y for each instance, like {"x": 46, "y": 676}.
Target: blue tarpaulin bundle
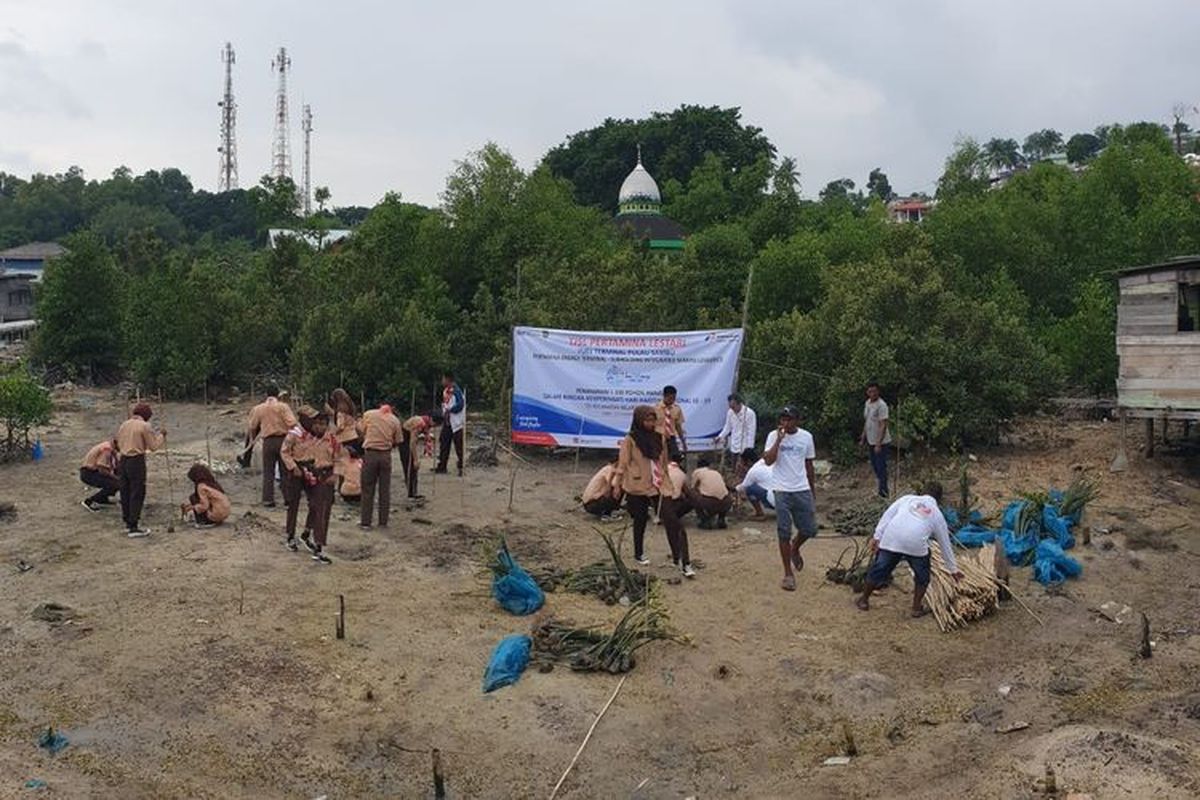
{"x": 954, "y": 521}
{"x": 513, "y": 588}
{"x": 1052, "y": 566}
{"x": 973, "y": 535}
{"x": 508, "y": 661}
{"x": 1057, "y": 527}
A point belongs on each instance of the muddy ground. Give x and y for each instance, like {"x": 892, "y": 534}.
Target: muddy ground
{"x": 204, "y": 664}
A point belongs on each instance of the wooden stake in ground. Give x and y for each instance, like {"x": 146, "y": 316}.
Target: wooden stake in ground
{"x": 588, "y": 737}
{"x": 341, "y": 617}
{"x": 439, "y": 780}
{"x": 1144, "y": 649}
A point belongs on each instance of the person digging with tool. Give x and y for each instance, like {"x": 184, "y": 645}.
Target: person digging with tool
{"x": 903, "y": 534}
{"x": 412, "y": 431}
{"x": 135, "y": 438}
{"x": 271, "y": 420}
{"x": 790, "y": 453}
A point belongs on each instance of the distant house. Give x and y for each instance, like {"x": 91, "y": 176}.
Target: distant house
{"x": 20, "y": 268}
{"x": 909, "y": 209}
{"x": 317, "y": 240}
{"x": 29, "y": 259}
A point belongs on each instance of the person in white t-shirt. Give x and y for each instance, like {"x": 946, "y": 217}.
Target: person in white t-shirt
{"x": 741, "y": 426}
{"x": 903, "y": 534}
{"x": 790, "y": 453}
{"x": 876, "y": 436}
{"x": 756, "y": 483}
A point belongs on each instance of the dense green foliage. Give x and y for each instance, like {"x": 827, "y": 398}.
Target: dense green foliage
{"x": 24, "y": 404}
{"x": 1002, "y": 297}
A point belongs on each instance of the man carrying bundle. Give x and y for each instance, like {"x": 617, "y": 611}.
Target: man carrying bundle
{"x": 271, "y": 419}
{"x": 903, "y": 534}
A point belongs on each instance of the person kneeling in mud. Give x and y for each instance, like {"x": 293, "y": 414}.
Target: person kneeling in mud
{"x": 903, "y": 534}
{"x": 208, "y": 505}
{"x": 598, "y": 499}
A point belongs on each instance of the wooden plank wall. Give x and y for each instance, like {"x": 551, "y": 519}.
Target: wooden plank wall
{"x": 1148, "y": 309}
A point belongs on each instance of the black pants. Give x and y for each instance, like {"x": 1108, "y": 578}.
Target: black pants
{"x": 270, "y": 458}
{"x": 107, "y": 484}
{"x": 447, "y": 437}
{"x": 671, "y": 513}
{"x": 709, "y": 507}
{"x": 376, "y": 473}
{"x": 602, "y": 505}
{"x": 132, "y": 471}
{"x": 409, "y": 463}
{"x": 639, "y": 511}
{"x": 201, "y": 516}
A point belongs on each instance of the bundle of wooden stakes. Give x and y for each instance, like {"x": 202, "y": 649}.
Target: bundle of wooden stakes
{"x": 954, "y": 605}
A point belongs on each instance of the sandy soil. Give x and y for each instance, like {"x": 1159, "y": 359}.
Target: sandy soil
{"x": 203, "y": 664}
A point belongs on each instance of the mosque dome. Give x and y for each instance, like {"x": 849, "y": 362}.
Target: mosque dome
{"x": 639, "y": 186}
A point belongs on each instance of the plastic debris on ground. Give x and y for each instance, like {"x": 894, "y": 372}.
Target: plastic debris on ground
{"x": 512, "y": 586}
{"x": 35, "y": 783}
{"x": 52, "y": 741}
{"x": 508, "y": 661}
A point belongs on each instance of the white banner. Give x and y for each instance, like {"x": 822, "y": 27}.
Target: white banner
{"x": 578, "y": 389}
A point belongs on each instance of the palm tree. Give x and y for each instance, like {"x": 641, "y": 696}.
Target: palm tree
{"x": 1002, "y": 154}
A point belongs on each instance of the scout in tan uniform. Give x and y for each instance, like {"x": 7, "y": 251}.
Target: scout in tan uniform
{"x": 271, "y": 420}
{"x": 135, "y": 438}
{"x": 209, "y": 505}
{"x": 381, "y": 431}
{"x": 640, "y": 473}
{"x": 99, "y": 470}
{"x": 410, "y": 449}
{"x": 710, "y": 495}
{"x": 669, "y": 423}
{"x": 310, "y": 458}
{"x": 597, "y": 497}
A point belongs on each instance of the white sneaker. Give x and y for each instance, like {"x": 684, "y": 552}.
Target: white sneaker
{"x": 645, "y": 562}
{"x": 688, "y": 572}
{"x": 138, "y": 533}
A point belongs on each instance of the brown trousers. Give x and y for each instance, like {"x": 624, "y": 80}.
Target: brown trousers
{"x": 707, "y": 507}
{"x": 320, "y": 507}
{"x": 376, "y": 472}
{"x": 293, "y": 490}
{"x": 409, "y": 463}
{"x": 270, "y": 458}
{"x": 670, "y": 513}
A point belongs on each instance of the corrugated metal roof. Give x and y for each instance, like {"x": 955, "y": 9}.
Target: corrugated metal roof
{"x": 33, "y": 250}
{"x": 1179, "y": 262}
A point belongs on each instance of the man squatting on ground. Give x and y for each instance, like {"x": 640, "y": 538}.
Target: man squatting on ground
{"x": 135, "y": 438}
{"x": 99, "y": 470}
{"x": 903, "y": 534}
{"x": 597, "y": 497}
{"x": 756, "y": 483}
{"x": 709, "y": 495}
{"x": 790, "y": 454}
{"x": 271, "y": 419}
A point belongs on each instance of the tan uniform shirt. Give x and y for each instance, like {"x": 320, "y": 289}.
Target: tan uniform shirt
{"x": 213, "y": 502}
{"x": 709, "y": 482}
{"x": 600, "y": 485}
{"x": 346, "y": 427}
{"x": 101, "y": 457}
{"x": 635, "y": 473}
{"x": 675, "y": 416}
{"x": 270, "y": 418}
{"x": 380, "y": 431}
{"x": 678, "y": 480}
{"x": 135, "y": 437}
{"x": 351, "y": 470}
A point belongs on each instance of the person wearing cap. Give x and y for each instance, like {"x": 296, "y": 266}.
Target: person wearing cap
{"x": 381, "y": 431}
{"x": 135, "y": 438}
{"x": 269, "y": 420}
{"x": 741, "y": 426}
{"x": 903, "y": 534}
{"x": 790, "y": 453}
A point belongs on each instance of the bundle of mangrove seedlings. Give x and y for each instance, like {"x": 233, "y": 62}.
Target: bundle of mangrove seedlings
{"x": 956, "y": 604}
{"x": 1081, "y": 492}
{"x": 853, "y": 572}
{"x": 610, "y": 580}
{"x": 593, "y": 650}
{"x": 858, "y": 519}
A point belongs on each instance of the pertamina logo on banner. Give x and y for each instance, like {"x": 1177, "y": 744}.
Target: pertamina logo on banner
{"x": 579, "y": 388}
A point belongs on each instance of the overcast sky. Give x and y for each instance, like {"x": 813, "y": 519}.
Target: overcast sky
{"x": 400, "y": 90}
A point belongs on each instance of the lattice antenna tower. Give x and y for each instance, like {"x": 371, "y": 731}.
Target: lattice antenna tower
{"x": 306, "y": 126}
{"x": 227, "y": 175}
{"x": 281, "y": 156}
